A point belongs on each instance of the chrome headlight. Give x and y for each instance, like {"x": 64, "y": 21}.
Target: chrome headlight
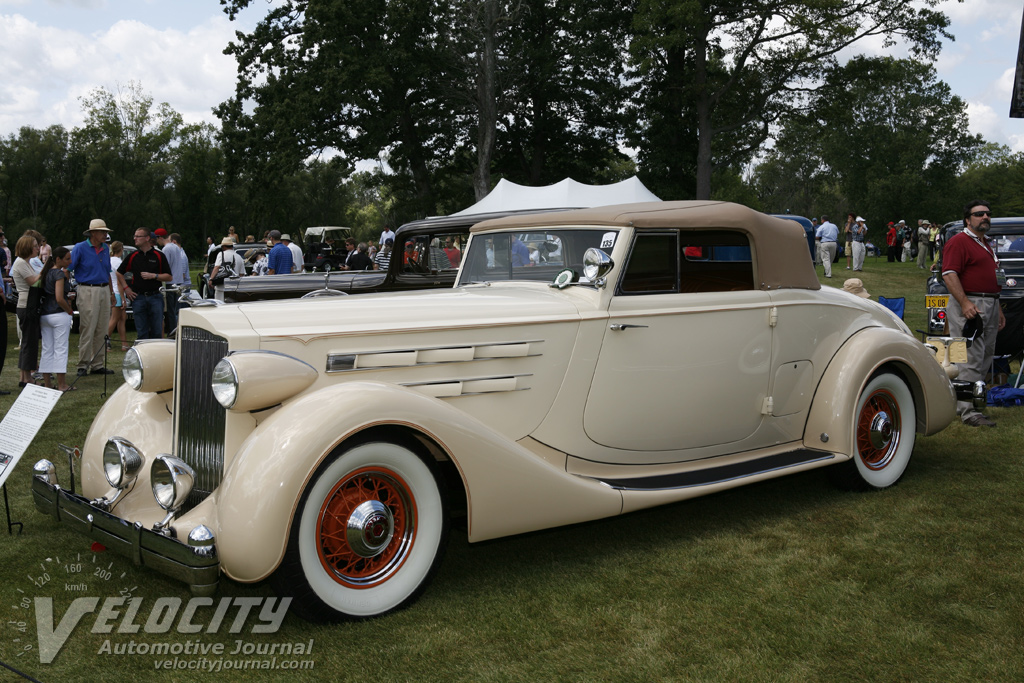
{"x": 171, "y": 480}
{"x": 224, "y": 383}
{"x": 149, "y": 365}
{"x": 256, "y": 380}
{"x": 122, "y": 462}
{"x": 131, "y": 368}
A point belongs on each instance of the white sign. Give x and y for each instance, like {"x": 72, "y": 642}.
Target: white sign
{"x": 21, "y": 424}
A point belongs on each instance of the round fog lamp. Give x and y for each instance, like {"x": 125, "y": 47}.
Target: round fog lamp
{"x": 121, "y": 462}
{"x": 172, "y": 481}
{"x": 224, "y": 383}
{"x": 131, "y": 368}
{"x": 596, "y": 264}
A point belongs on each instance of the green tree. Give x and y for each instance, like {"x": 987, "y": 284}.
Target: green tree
{"x": 125, "y": 148}
{"x": 726, "y": 71}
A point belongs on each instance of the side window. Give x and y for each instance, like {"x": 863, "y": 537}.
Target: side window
{"x": 715, "y": 261}
{"x": 653, "y": 265}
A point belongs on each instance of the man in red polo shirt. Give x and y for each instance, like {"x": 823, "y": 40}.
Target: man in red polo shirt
{"x": 974, "y": 279}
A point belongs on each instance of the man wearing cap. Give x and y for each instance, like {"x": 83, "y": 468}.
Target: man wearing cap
{"x": 148, "y": 267}
{"x": 178, "y": 263}
{"x": 859, "y": 231}
{"x": 826, "y": 235}
{"x": 280, "y": 257}
{"x": 90, "y": 263}
{"x": 974, "y": 279}
{"x": 296, "y": 252}
{"x": 922, "y": 242}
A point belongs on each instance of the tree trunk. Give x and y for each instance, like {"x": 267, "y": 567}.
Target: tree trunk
{"x": 487, "y": 105}
{"x": 703, "y": 106}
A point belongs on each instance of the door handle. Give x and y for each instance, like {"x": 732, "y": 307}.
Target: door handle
{"x": 623, "y": 326}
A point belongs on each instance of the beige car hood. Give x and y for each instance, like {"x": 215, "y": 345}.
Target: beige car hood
{"x": 474, "y": 306}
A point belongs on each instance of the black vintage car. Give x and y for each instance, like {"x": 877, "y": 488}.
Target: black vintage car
{"x": 1007, "y": 234}
{"x": 426, "y": 255}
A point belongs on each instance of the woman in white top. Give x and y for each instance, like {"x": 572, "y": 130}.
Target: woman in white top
{"x": 25, "y": 276}
{"x": 118, "y": 314}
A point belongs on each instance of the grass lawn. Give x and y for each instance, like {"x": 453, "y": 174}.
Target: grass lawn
{"x": 787, "y": 580}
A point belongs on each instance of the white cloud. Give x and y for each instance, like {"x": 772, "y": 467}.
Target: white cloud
{"x": 47, "y": 69}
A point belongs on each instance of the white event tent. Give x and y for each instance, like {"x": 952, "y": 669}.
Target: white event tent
{"x": 566, "y": 194}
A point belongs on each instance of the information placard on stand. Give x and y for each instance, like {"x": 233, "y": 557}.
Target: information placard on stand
{"x": 19, "y": 426}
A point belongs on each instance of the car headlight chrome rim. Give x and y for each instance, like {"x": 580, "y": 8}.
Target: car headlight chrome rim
{"x": 122, "y": 462}
{"x": 596, "y": 264}
{"x": 224, "y": 383}
{"x": 172, "y": 480}
{"x": 131, "y": 368}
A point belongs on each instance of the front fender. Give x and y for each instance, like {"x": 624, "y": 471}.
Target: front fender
{"x": 833, "y": 408}
{"x": 509, "y": 489}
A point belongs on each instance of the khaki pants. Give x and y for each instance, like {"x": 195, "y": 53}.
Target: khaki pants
{"x": 94, "y": 316}
{"x": 979, "y": 356}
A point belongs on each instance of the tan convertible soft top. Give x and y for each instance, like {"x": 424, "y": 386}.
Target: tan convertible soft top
{"x": 779, "y": 246}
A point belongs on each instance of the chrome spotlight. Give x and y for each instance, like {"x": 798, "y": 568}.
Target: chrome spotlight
{"x": 172, "y": 481}
{"x": 122, "y": 462}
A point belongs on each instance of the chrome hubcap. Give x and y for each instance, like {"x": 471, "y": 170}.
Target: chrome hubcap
{"x": 370, "y": 528}
{"x": 880, "y": 432}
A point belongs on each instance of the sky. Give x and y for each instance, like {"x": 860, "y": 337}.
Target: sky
{"x": 53, "y": 52}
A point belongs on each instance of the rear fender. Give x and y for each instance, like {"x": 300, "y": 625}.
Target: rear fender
{"x": 830, "y": 422}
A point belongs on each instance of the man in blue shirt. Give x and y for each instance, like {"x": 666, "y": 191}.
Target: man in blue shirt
{"x": 279, "y": 259}
{"x": 90, "y": 262}
{"x": 826, "y": 236}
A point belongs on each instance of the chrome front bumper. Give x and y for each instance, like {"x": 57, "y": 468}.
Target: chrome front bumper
{"x": 972, "y": 392}
{"x": 196, "y": 565}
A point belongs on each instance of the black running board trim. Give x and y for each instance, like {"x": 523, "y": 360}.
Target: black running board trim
{"x": 722, "y": 473}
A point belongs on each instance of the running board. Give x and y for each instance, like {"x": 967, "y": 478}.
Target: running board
{"x": 722, "y": 473}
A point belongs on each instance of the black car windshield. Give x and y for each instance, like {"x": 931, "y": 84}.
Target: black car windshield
{"x": 538, "y": 255}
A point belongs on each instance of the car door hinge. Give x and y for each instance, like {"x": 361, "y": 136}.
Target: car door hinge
{"x": 767, "y": 405}
{"x": 773, "y": 316}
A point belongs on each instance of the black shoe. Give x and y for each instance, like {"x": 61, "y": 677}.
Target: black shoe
{"x": 101, "y": 371}
{"x": 82, "y": 372}
{"x": 5, "y": 393}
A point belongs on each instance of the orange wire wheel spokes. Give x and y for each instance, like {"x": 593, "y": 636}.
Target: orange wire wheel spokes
{"x": 878, "y": 429}
{"x": 366, "y": 527}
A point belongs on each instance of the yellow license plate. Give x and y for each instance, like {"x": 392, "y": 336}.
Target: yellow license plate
{"x": 936, "y": 300}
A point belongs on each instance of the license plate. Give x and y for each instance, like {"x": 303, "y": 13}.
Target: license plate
{"x": 936, "y": 300}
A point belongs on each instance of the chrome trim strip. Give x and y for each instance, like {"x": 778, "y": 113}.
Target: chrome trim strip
{"x": 463, "y": 379}
{"x": 418, "y": 365}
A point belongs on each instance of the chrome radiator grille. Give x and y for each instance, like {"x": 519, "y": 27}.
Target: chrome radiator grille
{"x": 199, "y": 418}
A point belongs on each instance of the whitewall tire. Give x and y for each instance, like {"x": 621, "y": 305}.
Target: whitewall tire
{"x": 884, "y": 434}
{"x": 368, "y": 535}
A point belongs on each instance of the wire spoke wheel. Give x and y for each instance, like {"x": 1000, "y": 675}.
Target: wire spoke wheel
{"x": 878, "y": 429}
{"x": 367, "y": 526}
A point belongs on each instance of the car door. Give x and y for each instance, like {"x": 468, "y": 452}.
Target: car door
{"x": 686, "y": 356}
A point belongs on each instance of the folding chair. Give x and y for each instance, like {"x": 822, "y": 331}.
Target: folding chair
{"x": 1010, "y": 342}
{"x": 897, "y": 305}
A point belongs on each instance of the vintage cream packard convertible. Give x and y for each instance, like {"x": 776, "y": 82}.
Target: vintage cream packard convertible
{"x": 586, "y": 364}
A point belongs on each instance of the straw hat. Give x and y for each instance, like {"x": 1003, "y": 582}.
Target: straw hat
{"x": 855, "y": 286}
{"x": 98, "y": 224}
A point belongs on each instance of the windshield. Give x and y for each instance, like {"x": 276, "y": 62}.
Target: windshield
{"x": 535, "y": 255}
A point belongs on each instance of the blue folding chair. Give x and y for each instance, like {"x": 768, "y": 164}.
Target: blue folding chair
{"x": 895, "y": 305}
